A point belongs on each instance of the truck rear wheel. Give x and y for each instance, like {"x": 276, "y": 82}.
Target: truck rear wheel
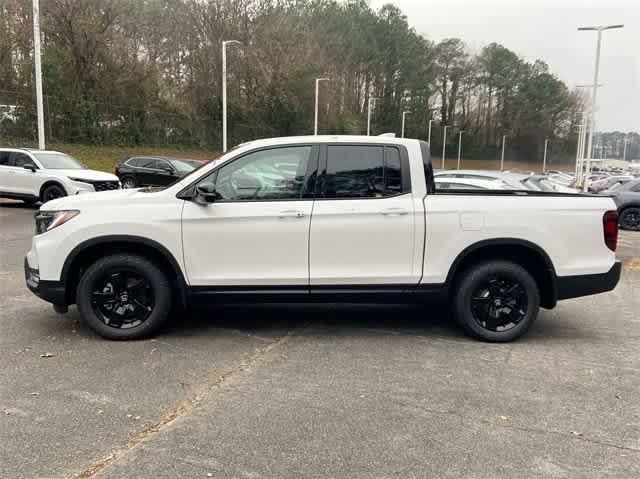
{"x": 496, "y": 301}
{"x": 124, "y": 296}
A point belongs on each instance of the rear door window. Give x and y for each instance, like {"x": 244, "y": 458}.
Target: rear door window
{"x": 362, "y": 171}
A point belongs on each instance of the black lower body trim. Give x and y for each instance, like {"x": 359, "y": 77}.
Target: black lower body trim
{"x": 50, "y": 291}
{"x": 586, "y": 284}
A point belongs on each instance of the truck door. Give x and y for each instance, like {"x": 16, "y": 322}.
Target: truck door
{"x": 364, "y": 219}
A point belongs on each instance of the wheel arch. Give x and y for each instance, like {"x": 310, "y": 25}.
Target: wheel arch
{"x": 88, "y": 251}
{"x": 51, "y": 182}
{"x": 522, "y": 252}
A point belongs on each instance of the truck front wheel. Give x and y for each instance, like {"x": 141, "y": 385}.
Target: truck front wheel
{"x": 496, "y": 301}
{"x": 124, "y": 296}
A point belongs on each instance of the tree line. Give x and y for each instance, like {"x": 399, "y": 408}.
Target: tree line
{"x": 149, "y": 71}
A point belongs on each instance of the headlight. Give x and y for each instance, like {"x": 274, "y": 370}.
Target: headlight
{"x": 47, "y": 220}
{"x": 81, "y": 180}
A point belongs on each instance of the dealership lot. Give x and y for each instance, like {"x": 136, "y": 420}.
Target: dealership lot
{"x": 318, "y": 391}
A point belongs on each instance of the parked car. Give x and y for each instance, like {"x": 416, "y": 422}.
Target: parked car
{"x": 352, "y": 218}
{"x": 506, "y": 179}
{"x": 40, "y": 175}
{"x": 139, "y": 171}
{"x": 627, "y": 199}
{"x": 446, "y": 183}
{"x": 606, "y": 183}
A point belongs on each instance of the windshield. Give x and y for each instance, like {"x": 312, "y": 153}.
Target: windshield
{"x": 182, "y": 166}
{"x": 58, "y": 161}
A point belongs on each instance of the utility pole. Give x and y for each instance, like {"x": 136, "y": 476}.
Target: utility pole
{"x": 38, "y": 73}
{"x": 544, "y": 158}
{"x": 315, "y": 123}
{"x": 224, "y": 91}
{"x": 404, "y": 114}
{"x": 504, "y": 138}
{"x": 624, "y": 150}
{"x": 444, "y": 144}
{"x": 429, "y": 133}
{"x": 371, "y": 100}
{"x": 592, "y": 119}
{"x": 459, "y": 147}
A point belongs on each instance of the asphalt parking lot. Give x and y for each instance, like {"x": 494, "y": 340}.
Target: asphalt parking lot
{"x": 318, "y": 391}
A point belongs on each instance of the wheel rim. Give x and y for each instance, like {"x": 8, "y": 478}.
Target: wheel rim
{"x": 631, "y": 219}
{"x": 128, "y": 183}
{"x": 53, "y": 193}
{"x": 499, "y": 303}
{"x": 122, "y": 299}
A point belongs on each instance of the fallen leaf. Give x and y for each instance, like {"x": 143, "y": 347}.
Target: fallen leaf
{"x": 47, "y": 355}
{"x": 34, "y": 394}
{"x": 129, "y": 415}
{"x": 136, "y": 418}
{"x": 504, "y": 418}
{"x": 576, "y": 433}
{"x": 100, "y": 411}
{"x": 618, "y": 396}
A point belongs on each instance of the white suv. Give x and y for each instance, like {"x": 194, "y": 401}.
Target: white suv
{"x": 39, "y": 175}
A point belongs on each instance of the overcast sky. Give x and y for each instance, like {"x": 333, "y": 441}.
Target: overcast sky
{"x": 546, "y": 29}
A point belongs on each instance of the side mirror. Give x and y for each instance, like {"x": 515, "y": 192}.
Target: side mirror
{"x": 30, "y": 166}
{"x": 204, "y": 195}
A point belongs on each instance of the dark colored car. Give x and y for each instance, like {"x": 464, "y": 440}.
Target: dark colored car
{"x": 139, "y": 171}
{"x": 627, "y": 199}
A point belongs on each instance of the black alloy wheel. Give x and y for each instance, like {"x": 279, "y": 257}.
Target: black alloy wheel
{"x": 129, "y": 182}
{"x": 52, "y": 192}
{"x": 630, "y": 219}
{"x": 499, "y": 303}
{"x": 124, "y": 296}
{"x": 122, "y": 299}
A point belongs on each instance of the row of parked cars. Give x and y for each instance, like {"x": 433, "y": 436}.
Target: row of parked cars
{"x": 33, "y": 175}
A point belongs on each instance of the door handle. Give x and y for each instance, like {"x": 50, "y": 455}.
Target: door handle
{"x": 394, "y": 212}
{"x": 291, "y": 214}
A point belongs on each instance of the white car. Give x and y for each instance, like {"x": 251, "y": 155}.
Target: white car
{"x": 351, "y": 218}
{"x": 506, "y": 179}
{"x": 39, "y": 175}
{"x": 453, "y": 183}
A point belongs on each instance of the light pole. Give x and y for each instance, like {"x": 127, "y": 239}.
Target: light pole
{"x": 592, "y": 116}
{"x": 504, "y": 138}
{"x": 459, "y": 147}
{"x": 444, "y": 144}
{"x": 315, "y": 122}
{"x": 624, "y": 150}
{"x": 371, "y": 100}
{"x": 38, "y": 72}
{"x": 429, "y": 133}
{"x": 544, "y": 157}
{"x": 224, "y": 91}
{"x": 404, "y": 115}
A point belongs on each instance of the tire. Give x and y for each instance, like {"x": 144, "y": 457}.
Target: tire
{"x": 128, "y": 182}
{"x": 52, "y": 192}
{"x": 496, "y": 301}
{"x": 630, "y": 218}
{"x": 124, "y": 297}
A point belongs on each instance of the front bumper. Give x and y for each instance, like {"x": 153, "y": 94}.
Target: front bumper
{"x": 586, "y": 284}
{"x": 51, "y": 291}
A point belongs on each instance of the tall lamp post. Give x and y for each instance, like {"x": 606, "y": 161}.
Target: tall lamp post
{"x": 404, "y": 115}
{"x": 429, "y": 133}
{"x": 371, "y": 100}
{"x": 224, "y": 91}
{"x": 444, "y": 144}
{"x": 544, "y": 157}
{"x": 38, "y": 72}
{"x": 504, "y": 139}
{"x": 624, "y": 150}
{"x": 460, "y": 146}
{"x": 315, "y": 122}
{"x": 592, "y": 116}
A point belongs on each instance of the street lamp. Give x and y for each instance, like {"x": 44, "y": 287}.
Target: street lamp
{"x": 444, "y": 144}
{"x": 315, "y": 122}
{"x": 429, "y": 133}
{"x": 544, "y": 157}
{"x": 459, "y": 147}
{"x": 504, "y": 138}
{"x": 582, "y": 140}
{"x": 371, "y": 100}
{"x": 38, "y": 73}
{"x": 592, "y": 119}
{"x": 404, "y": 114}
{"x": 624, "y": 150}
{"x": 224, "y": 91}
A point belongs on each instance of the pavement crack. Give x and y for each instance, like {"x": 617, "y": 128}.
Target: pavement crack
{"x": 188, "y": 405}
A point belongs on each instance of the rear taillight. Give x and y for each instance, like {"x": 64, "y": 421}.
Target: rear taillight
{"x": 610, "y": 228}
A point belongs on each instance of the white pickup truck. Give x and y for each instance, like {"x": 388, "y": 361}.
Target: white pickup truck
{"x": 321, "y": 219}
